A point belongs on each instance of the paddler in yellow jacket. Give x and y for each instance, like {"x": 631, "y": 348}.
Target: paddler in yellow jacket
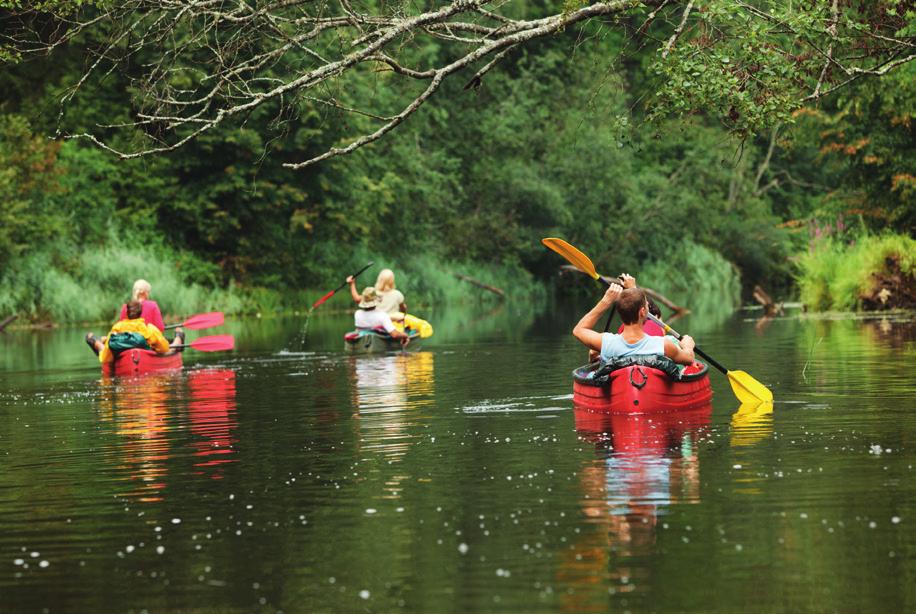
{"x": 133, "y": 332}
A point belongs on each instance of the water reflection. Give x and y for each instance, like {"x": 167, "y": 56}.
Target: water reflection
{"x": 144, "y": 414}
{"x": 385, "y": 390}
{"x": 644, "y": 465}
{"x": 138, "y": 408}
{"x": 212, "y": 412}
{"x": 387, "y": 393}
{"x": 751, "y": 424}
{"x": 897, "y": 332}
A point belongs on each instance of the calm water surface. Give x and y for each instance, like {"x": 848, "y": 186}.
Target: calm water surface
{"x": 290, "y": 476}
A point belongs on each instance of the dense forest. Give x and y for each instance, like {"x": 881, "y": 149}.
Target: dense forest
{"x": 559, "y": 140}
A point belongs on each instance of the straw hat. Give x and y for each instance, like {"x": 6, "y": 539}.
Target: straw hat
{"x": 370, "y": 298}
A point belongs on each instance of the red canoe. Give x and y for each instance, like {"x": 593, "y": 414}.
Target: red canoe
{"x": 140, "y": 362}
{"x": 639, "y": 389}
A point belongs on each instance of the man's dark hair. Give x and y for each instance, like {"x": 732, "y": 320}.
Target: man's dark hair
{"x": 134, "y": 309}
{"x": 630, "y": 302}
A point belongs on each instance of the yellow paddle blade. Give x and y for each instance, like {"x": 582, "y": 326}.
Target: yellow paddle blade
{"x": 748, "y": 390}
{"x": 574, "y": 256}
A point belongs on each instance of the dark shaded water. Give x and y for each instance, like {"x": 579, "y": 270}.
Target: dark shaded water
{"x": 290, "y": 476}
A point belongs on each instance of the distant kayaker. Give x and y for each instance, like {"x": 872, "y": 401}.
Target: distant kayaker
{"x": 632, "y": 305}
{"x": 391, "y": 300}
{"x": 132, "y": 332}
{"x": 370, "y": 317}
{"x": 151, "y": 313}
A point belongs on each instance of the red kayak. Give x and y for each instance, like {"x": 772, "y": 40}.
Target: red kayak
{"x": 140, "y": 362}
{"x": 641, "y": 389}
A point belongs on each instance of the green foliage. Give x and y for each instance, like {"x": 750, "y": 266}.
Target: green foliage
{"x": 50, "y": 6}
{"x": 90, "y": 286}
{"x": 28, "y": 178}
{"x": 428, "y": 281}
{"x": 834, "y": 275}
{"x": 866, "y": 142}
{"x": 751, "y": 67}
{"x": 552, "y": 143}
{"x": 696, "y": 277}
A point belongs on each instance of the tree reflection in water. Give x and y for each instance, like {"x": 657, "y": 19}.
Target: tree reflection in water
{"x": 644, "y": 464}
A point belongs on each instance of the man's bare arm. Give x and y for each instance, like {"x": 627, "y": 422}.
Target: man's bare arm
{"x": 681, "y": 353}
{"x": 585, "y": 329}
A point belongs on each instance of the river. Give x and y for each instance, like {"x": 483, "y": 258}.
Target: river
{"x": 290, "y": 476}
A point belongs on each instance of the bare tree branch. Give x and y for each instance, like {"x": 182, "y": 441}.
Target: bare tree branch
{"x": 765, "y": 165}
{"x": 677, "y": 31}
{"x": 194, "y": 65}
{"x": 831, "y": 30}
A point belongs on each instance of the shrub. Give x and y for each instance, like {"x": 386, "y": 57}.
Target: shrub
{"x": 837, "y": 275}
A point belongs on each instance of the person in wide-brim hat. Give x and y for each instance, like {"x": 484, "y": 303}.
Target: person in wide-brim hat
{"x": 369, "y": 298}
{"x": 367, "y": 317}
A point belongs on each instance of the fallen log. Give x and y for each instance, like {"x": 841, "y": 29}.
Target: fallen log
{"x": 770, "y": 308}
{"x": 7, "y": 321}
{"x": 480, "y": 284}
{"x": 678, "y": 310}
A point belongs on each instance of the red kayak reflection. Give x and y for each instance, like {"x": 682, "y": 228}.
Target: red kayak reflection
{"x": 212, "y": 412}
{"x": 644, "y": 464}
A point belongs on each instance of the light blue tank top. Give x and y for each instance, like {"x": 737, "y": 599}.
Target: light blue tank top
{"x": 613, "y": 346}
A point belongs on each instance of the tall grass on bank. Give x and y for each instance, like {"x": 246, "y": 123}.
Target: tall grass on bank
{"x": 90, "y": 286}
{"x": 431, "y": 281}
{"x": 834, "y": 275}
{"x": 695, "y": 277}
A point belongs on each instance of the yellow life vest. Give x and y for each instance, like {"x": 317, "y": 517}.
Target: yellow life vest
{"x": 154, "y": 338}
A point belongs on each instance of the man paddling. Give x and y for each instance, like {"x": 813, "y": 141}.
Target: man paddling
{"x": 651, "y": 328}
{"x": 633, "y": 307}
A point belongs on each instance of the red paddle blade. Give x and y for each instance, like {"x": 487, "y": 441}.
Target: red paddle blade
{"x": 214, "y": 343}
{"x": 323, "y": 298}
{"x": 204, "y": 320}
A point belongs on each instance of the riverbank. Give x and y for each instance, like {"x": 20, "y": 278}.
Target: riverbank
{"x": 45, "y": 291}
{"x": 868, "y": 272}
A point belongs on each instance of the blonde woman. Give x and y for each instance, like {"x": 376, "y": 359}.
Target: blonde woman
{"x": 150, "y": 313}
{"x": 391, "y": 301}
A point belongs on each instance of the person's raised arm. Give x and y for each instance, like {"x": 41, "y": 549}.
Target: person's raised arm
{"x": 585, "y": 329}
{"x": 353, "y": 293}
{"x": 681, "y": 353}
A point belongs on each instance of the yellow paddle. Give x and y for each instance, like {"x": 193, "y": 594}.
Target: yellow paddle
{"x": 581, "y": 262}
{"x": 746, "y": 388}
